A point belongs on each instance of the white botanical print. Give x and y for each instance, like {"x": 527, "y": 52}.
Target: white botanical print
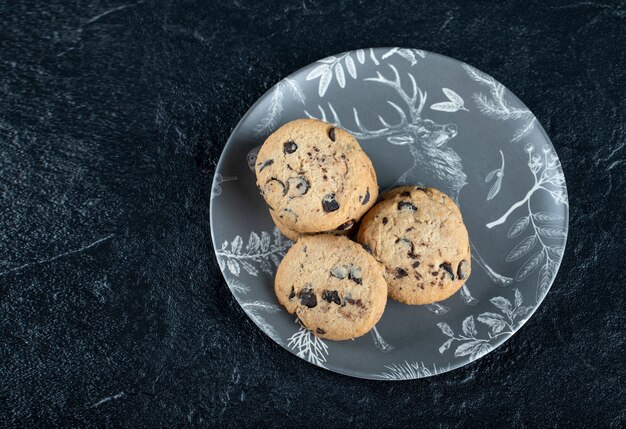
{"x": 454, "y": 103}
{"x": 308, "y": 346}
{"x": 216, "y": 189}
{"x": 437, "y": 308}
{"x": 411, "y": 371}
{"x": 337, "y": 67}
{"x": 238, "y": 287}
{"x": 411, "y": 55}
{"x": 546, "y": 229}
{"x": 433, "y": 160}
{"x": 259, "y": 253}
{"x": 270, "y": 120}
{"x": 380, "y": 342}
{"x": 254, "y": 310}
{"x": 495, "y": 106}
{"x": 467, "y": 297}
{"x": 497, "y": 174}
{"x": 470, "y": 343}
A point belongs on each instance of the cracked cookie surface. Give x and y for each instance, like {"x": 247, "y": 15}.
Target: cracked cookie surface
{"x": 334, "y": 286}
{"x": 315, "y": 177}
{"x": 421, "y": 240}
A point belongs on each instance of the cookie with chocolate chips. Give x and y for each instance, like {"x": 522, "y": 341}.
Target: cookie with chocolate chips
{"x": 420, "y": 237}
{"x": 334, "y": 286}
{"x": 315, "y": 177}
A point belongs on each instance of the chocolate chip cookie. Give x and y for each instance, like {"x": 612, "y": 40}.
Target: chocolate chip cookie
{"x": 436, "y": 194}
{"x": 315, "y": 176}
{"x": 334, "y": 286}
{"x": 422, "y": 242}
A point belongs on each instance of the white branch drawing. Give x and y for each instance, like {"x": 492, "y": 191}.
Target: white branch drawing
{"x": 470, "y": 343}
{"x": 308, "y": 346}
{"x": 261, "y": 250}
{"x": 548, "y": 177}
{"x": 334, "y": 67}
{"x": 253, "y": 310}
{"x": 411, "y": 371}
{"x": 380, "y": 342}
{"x": 270, "y": 120}
{"x": 437, "y": 308}
{"x": 495, "y": 106}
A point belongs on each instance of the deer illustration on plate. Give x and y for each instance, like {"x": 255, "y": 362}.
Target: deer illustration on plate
{"x": 433, "y": 161}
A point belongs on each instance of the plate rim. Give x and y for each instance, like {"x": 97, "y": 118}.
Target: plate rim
{"x": 359, "y": 374}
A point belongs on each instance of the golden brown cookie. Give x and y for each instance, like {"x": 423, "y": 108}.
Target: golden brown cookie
{"x": 407, "y": 191}
{"x": 315, "y": 176}
{"x": 422, "y": 243}
{"x": 333, "y": 285}
{"x": 295, "y": 235}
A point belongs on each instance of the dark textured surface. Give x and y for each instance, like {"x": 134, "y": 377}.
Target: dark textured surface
{"x": 112, "y": 118}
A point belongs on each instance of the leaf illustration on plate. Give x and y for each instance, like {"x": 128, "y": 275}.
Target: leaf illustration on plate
{"x": 318, "y": 71}
{"x": 519, "y": 300}
{"x": 324, "y": 82}
{"x": 411, "y": 371}
{"x": 341, "y": 77}
{"x": 276, "y": 104}
{"x": 502, "y": 303}
{"x": 454, "y": 104}
{"x": 491, "y": 174}
{"x": 233, "y": 267}
{"x": 308, "y": 346}
{"x": 495, "y": 188}
{"x": 467, "y": 348}
{"x": 360, "y": 55}
{"x": 254, "y": 310}
{"x": 529, "y": 266}
{"x": 401, "y": 139}
{"x": 467, "y": 297}
{"x": 253, "y": 242}
{"x": 481, "y": 350}
{"x": 546, "y": 274}
{"x": 518, "y": 227}
{"x": 445, "y": 346}
{"x": 548, "y": 217}
{"x": 446, "y": 329}
{"x": 555, "y": 252}
{"x": 552, "y": 232}
{"x": 259, "y": 253}
{"x": 351, "y": 67}
{"x": 237, "y": 287}
{"x": 522, "y": 248}
{"x": 410, "y": 55}
{"x": 469, "y": 327}
{"x": 495, "y": 321}
{"x": 236, "y": 245}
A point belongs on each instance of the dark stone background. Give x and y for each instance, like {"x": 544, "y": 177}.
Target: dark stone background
{"x": 112, "y": 118}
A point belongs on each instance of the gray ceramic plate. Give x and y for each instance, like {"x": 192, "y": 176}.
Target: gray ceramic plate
{"x": 423, "y": 119}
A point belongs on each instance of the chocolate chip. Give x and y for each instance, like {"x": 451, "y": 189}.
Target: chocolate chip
{"x": 448, "y": 269}
{"x": 405, "y": 205}
{"x": 357, "y": 302}
{"x": 266, "y": 164}
{"x": 292, "y": 293}
{"x": 331, "y": 134}
{"x": 412, "y": 255}
{"x": 435, "y": 273}
{"x": 405, "y": 194}
{"x": 331, "y": 296}
{"x": 356, "y": 275}
{"x": 329, "y": 204}
{"x": 325, "y": 177}
{"x": 410, "y": 229}
{"x": 400, "y": 272}
{"x": 416, "y": 264}
{"x": 419, "y": 277}
{"x": 461, "y": 271}
{"x": 299, "y": 185}
{"x": 320, "y": 331}
{"x": 339, "y": 271}
{"x": 290, "y": 147}
{"x": 385, "y": 220}
{"x": 274, "y": 185}
{"x": 307, "y": 298}
{"x": 367, "y": 248}
{"x": 346, "y": 225}
{"x": 366, "y": 198}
